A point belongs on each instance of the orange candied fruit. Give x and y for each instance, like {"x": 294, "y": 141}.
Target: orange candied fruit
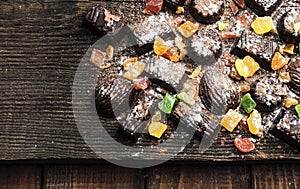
{"x": 231, "y": 120}
{"x": 159, "y": 46}
{"x": 254, "y": 122}
{"x": 172, "y": 54}
{"x": 188, "y": 29}
{"x": 278, "y": 61}
{"x": 289, "y": 48}
{"x": 246, "y": 67}
{"x": 263, "y": 25}
{"x": 289, "y": 102}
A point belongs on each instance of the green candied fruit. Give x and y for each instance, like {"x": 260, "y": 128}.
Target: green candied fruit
{"x": 186, "y": 98}
{"x": 248, "y": 103}
{"x": 222, "y": 26}
{"x": 168, "y": 103}
{"x": 298, "y": 109}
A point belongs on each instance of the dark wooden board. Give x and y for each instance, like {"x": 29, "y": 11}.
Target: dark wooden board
{"x": 92, "y": 177}
{"x": 200, "y": 176}
{"x": 20, "y": 177}
{"x": 41, "y": 45}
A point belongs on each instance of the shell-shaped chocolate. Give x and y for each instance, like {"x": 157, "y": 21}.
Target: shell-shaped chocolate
{"x": 294, "y": 71}
{"x": 218, "y": 92}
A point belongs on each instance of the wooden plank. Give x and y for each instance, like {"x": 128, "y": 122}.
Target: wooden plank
{"x": 41, "y": 45}
{"x": 199, "y": 176}
{"x": 276, "y": 176}
{"x": 92, "y": 177}
{"x": 20, "y": 176}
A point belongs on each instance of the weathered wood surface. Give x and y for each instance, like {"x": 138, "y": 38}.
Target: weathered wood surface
{"x": 41, "y": 45}
{"x": 94, "y": 176}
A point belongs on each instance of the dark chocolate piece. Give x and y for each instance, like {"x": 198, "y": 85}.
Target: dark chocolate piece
{"x": 204, "y": 47}
{"x": 206, "y": 11}
{"x": 263, "y": 7}
{"x": 294, "y": 71}
{"x": 286, "y": 127}
{"x": 218, "y": 93}
{"x": 286, "y": 27}
{"x": 260, "y": 48}
{"x": 173, "y": 4}
{"x": 266, "y": 93}
{"x": 101, "y": 22}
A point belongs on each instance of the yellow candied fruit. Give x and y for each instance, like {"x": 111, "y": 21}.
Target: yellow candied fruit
{"x": 289, "y": 102}
{"x": 129, "y": 62}
{"x": 284, "y": 76}
{"x": 157, "y": 129}
{"x": 195, "y": 73}
{"x": 231, "y": 120}
{"x": 263, "y": 25}
{"x": 134, "y": 71}
{"x": 159, "y": 46}
{"x": 297, "y": 27}
{"x": 254, "y": 122}
{"x": 278, "y": 61}
{"x": 179, "y": 10}
{"x": 188, "y": 29}
{"x": 172, "y": 54}
{"x": 288, "y": 49}
{"x": 105, "y": 66}
{"x": 246, "y": 67}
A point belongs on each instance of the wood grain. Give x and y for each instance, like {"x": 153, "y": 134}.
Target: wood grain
{"x": 92, "y": 177}
{"x": 41, "y": 45}
{"x": 20, "y": 177}
{"x": 277, "y": 176}
{"x": 200, "y": 176}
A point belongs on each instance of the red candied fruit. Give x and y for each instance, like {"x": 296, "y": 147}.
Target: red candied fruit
{"x": 154, "y": 6}
{"x": 141, "y": 84}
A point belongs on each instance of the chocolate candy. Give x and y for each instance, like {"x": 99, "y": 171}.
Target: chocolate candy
{"x": 294, "y": 71}
{"x": 258, "y": 47}
{"x": 263, "y": 7}
{"x": 286, "y": 126}
{"x": 217, "y": 92}
{"x": 100, "y": 21}
{"x": 206, "y": 11}
{"x": 266, "y": 93}
{"x": 173, "y": 4}
{"x": 286, "y": 27}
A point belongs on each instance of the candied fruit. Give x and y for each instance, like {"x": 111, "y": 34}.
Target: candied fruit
{"x": 263, "y": 25}
{"x": 289, "y": 48}
{"x": 179, "y": 10}
{"x": 154, "y": 6}
{"x": 289, "y": 102}
{"x": 244, "y": 145}
{"x": 168, "y": 103}
{"x": 141, "y": 84}
{"x": 156, "y": 117}
{"x": 110, "y": 52}
{"x": 231, "y": 120}
{"x": 248, "y": 103}
{"x": 157, "y": 129}
{"x": 195, "y": 73}
{"x": 129, "y": 62}
{"x": 222, "y": 26}
{"x": 186, "y": 98}
{"x": 278, "y": 61}
{"x": 297, "y": 27}
{"x": 254, "y": 122}
{"x": 134, "y": 71}
{"x": 159, "y": 46}
{"x": 284, "y": 76}
{"x": 297, "y": 108}
{"x": 188, "y": 29}
{"x": 246, "y": 67}
{"x": 172, "y": 54}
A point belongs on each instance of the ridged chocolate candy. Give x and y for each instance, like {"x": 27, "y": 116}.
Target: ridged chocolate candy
{"x": 294, "y": 71}
{"x": 286, "y": 26}
{"x": 218, "y": 93}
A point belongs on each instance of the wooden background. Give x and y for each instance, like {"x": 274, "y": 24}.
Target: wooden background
{"x": 41, "y": 45}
